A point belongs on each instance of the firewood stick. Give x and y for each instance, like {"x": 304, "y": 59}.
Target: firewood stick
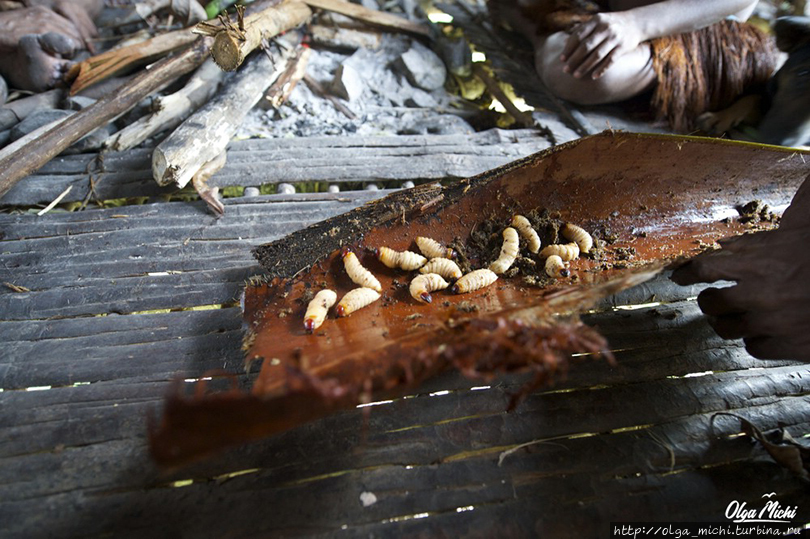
{"x": 207, "y": 132}
{"x": 371, "y": 16}
{"x": 280, "y": 91}
{"x": 170, "y": 110}
{"x": 26, "y": 160}
{"x": 107, "y": 64}
{"x": 233, "y": 42}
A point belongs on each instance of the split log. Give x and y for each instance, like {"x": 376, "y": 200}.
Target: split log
{"x": 371, "y": 16}
{"x": 234, "y": 42}
{"x": 110, "y": 63}
{"x": 170, "y": 110}
{"x": 206, "y": 133}
{"x": 26, "y": 160}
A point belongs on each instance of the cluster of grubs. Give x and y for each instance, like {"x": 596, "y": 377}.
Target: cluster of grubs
{"x": 437, "y": 270}
{"x": 556, "y": 256}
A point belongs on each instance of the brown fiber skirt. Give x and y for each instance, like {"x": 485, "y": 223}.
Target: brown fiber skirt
{"x": 700, "y": 71}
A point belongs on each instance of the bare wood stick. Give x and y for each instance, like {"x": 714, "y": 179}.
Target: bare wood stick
{"x": 280, "y": 91}
{"x": 371, "y": 16}
{"x": 54, "y": 202}
{"x": 170, "y": 110}
{"x": 207, "y": 132}
{"x": 110, "y": 63}
{"x": 523, "y": 118}
{"x": 26, "y": 160}
{"x": 233, "y": 43}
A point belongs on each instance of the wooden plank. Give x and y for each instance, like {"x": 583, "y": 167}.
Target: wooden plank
{"x": 261, "y": 161}
{"x": 171, "y": 256}
{"x": 600, "y": 470}
{"x": 242, "y": 212}
{"x": 79, "y": 450}
{"x": 150, "y": 346}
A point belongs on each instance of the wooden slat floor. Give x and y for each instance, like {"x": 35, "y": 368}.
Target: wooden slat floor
{"x": 123, "y": 301}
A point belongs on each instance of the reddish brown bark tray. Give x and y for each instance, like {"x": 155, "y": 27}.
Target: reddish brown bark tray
{"x": 665, "y": 197}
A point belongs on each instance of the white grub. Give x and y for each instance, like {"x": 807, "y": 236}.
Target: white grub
{"x": 423, "y": 285}
{"x": 566, "y": 251}
{"x": 577, "y": 234}
{"x": 355, "y": 300}
{"x": 474, "y": 280}
{"x": 529, "y": 234}
{"x": 555, "y": 267}
{"x": 509, "y": 251}
{"x": 444, "y": 267}
{"x": 406, "y": 260}
{"x": 317, "y": 309}
{"x": 433, "y": 249}
{"x": 358, "y": 274}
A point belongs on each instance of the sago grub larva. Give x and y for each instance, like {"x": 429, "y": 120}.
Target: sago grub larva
{"x": 529, "y": 234}
{"x": 578, "y": 235}
{"x": 423, "y": 285}
{"x": 474, "y": 280}
{"x": 566, "y": 251}
{"x": 555, "y": 267}
{"x": 509, "y": 251}
{"x": 406, "y": 260}
{"x": 317, "y": 309}
{"x": 358, "y": 274}
{"x": 444, "y": 267}
{"x": 433, "y": 249}
{"x": 355, "y": 300}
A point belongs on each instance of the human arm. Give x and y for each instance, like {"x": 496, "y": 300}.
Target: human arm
{"x": 594, "y": 46}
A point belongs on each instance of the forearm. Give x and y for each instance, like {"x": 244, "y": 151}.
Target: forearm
{"x": 678, "y": 16}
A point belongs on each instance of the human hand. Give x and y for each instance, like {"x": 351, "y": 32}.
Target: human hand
{"x": 768, "y": 305}
{"x": 593, "y": 46}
